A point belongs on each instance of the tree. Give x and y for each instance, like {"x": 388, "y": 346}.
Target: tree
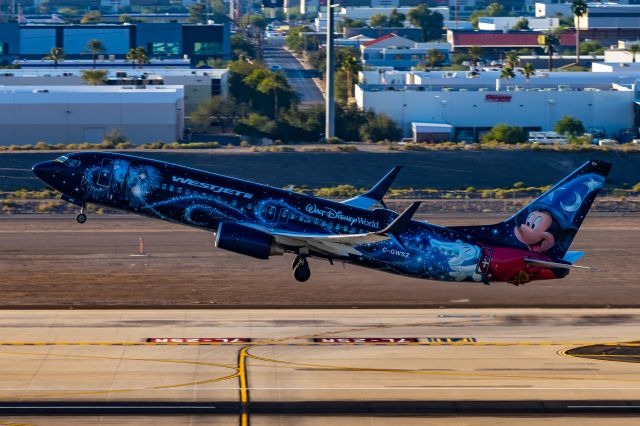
{"x": 434, "y": 57}
{"x": 494, "y": 9}
{"x": 220, "y": 110}
{"x": 430, "y": 22}
{"x": 379, "y": 20}
{"x": 274, "y": 84}
{"x": 521, "y": 25}
{"x": 352, "y": 23}
{"x": 256, "y": 126}
{"x": 512, "y": 59}
{"x": 94, "y": 47}
{"x": 507, "y": 73}
{"x": 579, "y": 9}
{"x": 141, "y": 56}
{"x": 294, "y": 39}
{"x": 396, "y": 19}
{"x": 505, "y": 134}
{"x": 94, "y": 77}
{"x": 56, "y": 55}
{"x": 569, "y": 126}
{"x": 350, "y": 67}
{"x": 634, "y": 49}
{"x": 197, "y": 13}
{"x": 380, "y": 127}
{"x": 91, "y": 17}
{"x": 241, "y": 47}
{"x": 475, "y": 52}
{"x": 527, "y": 71}
{"x": 551, "y": 41}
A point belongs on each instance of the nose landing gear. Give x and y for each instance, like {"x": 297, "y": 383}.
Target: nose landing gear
{"x": 301, "y": 271}
{"x": 81, "y": 218}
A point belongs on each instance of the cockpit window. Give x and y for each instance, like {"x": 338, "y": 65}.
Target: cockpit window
{"x": 68, "y": 161}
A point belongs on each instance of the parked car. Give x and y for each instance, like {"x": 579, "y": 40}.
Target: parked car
{"x": 547, "y": 138}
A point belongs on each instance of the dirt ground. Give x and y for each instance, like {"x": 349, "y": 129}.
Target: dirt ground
{"x": 51, "y": 261}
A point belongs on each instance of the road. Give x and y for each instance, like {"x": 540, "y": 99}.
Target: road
{"x": 300, "y": 363}
{"x": 300, "y": 79}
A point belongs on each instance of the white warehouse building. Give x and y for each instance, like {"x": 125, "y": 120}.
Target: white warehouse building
{"x": 77, "y": 114}
{"x": 472, "y": 112}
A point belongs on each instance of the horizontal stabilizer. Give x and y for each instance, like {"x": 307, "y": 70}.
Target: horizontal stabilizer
{"x": 547, "y": 264}
{"x": 400, "y": 224}
{"x": 573, "y": 256}
{"x": 376, "y": 193}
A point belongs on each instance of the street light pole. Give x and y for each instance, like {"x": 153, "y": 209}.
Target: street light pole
{"x": 329, "y": 131}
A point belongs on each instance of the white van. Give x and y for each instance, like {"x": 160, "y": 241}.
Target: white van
{"x": 547, "y": 138}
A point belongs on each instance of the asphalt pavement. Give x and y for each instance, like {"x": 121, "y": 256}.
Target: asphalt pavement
{"x": 301, "y": 79}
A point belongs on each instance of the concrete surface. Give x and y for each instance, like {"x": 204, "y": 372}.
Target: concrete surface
{"x": 512, "y": 363}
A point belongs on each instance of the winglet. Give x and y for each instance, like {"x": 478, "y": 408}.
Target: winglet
{"x": 377, "y": 192}
{"x": 400, "y": 224}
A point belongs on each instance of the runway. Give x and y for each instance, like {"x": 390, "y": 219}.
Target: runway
{"x": 50, "y": 261}
{"x": 263, "y": 366}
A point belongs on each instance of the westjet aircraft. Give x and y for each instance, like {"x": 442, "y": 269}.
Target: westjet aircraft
{"x": 262, "y": 221}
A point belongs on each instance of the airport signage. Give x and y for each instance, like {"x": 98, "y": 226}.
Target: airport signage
{"x": 497, "y": 98}
{"x": 365, "y": 340}
{"x": 198, "y": 340}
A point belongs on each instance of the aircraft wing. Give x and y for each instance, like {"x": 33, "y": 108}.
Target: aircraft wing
{"x": 342, "y": 245}
{"x": 376, "y": 193}
{"x": 332, "y": 245}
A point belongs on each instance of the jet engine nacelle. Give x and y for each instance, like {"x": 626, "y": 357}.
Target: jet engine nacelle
{"x": 248, "y": 241}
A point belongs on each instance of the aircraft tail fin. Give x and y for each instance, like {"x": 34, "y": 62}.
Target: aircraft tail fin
{"x": 377, "y": 191}
{"x": 550, "y": 222}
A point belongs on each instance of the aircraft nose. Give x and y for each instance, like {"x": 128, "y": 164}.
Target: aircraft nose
{"x": 44, "y": 170}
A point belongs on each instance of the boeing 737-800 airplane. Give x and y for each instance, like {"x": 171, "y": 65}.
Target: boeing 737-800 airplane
{"x": 262, "y": 221}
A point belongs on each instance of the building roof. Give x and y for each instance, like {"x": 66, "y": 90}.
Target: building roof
{"x": 379, "y": 39}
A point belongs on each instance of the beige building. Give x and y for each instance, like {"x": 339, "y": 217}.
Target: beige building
{"x": 77, "y": 114}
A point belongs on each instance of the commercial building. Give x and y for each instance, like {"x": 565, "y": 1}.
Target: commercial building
{"x": 160, "y": 40}
{"x": 197, "y": 85}
{"x": 473, "y": 104}
{"x": 609, "y": 15}
{"x": 77, "y": 114}
{"x": 493, "y": 23}
{"x": 399, "y": 53}
{"x": 461, "y": 40}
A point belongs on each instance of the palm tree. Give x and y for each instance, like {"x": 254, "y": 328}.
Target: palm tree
{"x": 273, "y": 83}
{"x": 434, "y": 57}
{"x": 56, "y": 55}
{"x": 528, "y": 71}
{"x": 94, "y": 47}
{"x": 579, "y": 9}
{"x": 350, "y": 67}
{"x": 507, "y": 73}
{"x": 131, "y": 57}
{"x": 476, "y": 53}
{"x": 512, "y": 59}
{"x": 94, "y": 77}
{"x": 634, "y": 49}
{"x": 551, "y": 41}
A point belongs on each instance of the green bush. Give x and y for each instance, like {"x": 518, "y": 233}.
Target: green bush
{"x": 505, "y": 133}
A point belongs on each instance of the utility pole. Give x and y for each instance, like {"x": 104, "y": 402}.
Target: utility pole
{"x": 329, "y": 129}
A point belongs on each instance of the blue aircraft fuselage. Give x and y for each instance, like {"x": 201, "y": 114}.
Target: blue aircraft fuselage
{"x": 207, "y": 200}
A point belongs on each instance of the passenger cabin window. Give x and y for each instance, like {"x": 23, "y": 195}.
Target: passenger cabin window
{"x": 271, "y": 213}
{"x": 284, "y": 216}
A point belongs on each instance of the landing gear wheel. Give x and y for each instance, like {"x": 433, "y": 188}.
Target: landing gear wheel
{"x": 301, "y": 271}
{"x": 81, "y": 218}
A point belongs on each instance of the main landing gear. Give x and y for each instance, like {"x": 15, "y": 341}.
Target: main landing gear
{"x": 301, "y": 271}
{"x": 81, "y": 218}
